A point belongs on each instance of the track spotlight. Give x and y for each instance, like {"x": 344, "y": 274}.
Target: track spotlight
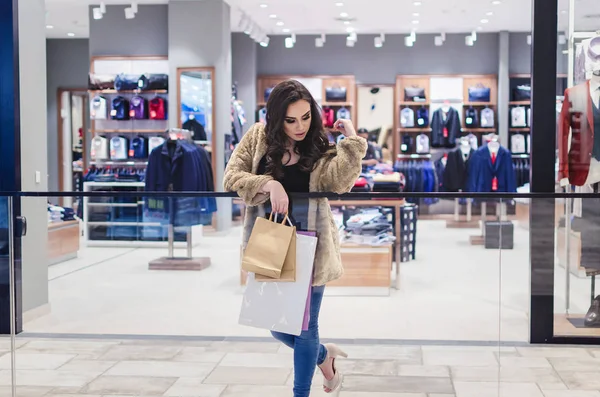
{"x": 289, "y": 42}
{"x": 469, "y": 41}
{"x": 319, "y": 42}
{"x": 265, "y": 42}
{"x": 293, "y": 36}
{"x": 134, "y": 7}
{"x": 97, "y": 13}
{"x": 562, "y": 39}
{"x": 350, "y": 42}
{"x": 529, "y": 39}
{"x": 413, "y": 36}
{"x": 353, "y": 36}
{"x": 102, "y": 7}
{"x": 378, "y": 42}
{"x": 439, "y": 41}
{"x": 129, "y": 14}
{"x": 408, "y": 41}
{"x": 474, "y": 35}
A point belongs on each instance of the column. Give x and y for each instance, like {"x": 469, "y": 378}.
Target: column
{"x": 503, "y": 87}
{"x": 10, "y": 177}
{"x": 200, "y": 35}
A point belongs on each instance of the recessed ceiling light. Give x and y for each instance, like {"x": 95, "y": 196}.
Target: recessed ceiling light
{"x": 417, "y": 3}
{"x": 489, "y": 14}
{"x": 415, "y": 22}
{"x": 279, "y": 23}
{"x": 496, "y": 2}
{"x": 339, "y": 4}
{"x": 49, "y": 27}
{"x": 263, "y": 6}
{"x": 484, "y": 21}
{"x": 272, "y": 16}
{"x": 71, "y": 34}
{"x": 346, "y": 22}
{"x": 416, "y": 14}
{"x": 349, "y": 29}
{"x": 286, "y": 30}
{"x": 344, "y": 14}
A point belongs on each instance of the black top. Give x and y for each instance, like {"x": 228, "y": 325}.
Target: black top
{"x": 596, "y": 150}
{"x": 294, "y": 181}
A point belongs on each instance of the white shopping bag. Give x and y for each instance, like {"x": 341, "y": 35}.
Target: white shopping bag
{"x": 279, "y": 306}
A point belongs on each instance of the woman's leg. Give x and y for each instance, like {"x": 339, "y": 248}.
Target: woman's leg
{"x": 308, "y": 351}
{"x": 286, "y": 339}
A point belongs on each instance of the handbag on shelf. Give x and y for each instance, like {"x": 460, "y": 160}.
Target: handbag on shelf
{"x": 335, "y": 94}
{"x": 126, "y": 82}
{"x": 522, "y": 92}
{"x": 479, "y": 93}
{"x": 414, "y": 94}
{"x": 268, "y": 247}
{"x": 153, "y": 82}
{"x": 101, "y": 81}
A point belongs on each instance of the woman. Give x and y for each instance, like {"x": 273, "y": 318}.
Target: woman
{"x": 291, "y": 153}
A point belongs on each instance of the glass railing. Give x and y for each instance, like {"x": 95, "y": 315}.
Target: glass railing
{"x": 136, "y": 293}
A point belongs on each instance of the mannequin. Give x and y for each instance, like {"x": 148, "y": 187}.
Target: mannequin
{"x": 579, "y": 163}
{"x": 457, "y": 166}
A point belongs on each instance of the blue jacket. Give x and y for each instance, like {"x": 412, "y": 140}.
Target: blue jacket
{"x": 482, "y": 171}
{"x": 181, "y": 167}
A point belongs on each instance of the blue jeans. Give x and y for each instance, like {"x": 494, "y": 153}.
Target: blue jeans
{"x": 308, "y": 351}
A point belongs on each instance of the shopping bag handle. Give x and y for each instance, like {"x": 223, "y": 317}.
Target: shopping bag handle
{"x": 286, "y": 218}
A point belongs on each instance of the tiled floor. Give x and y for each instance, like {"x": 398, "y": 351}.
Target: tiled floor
{"x": 145, "y": 367}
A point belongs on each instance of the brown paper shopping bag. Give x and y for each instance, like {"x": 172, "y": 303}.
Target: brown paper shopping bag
{"x": 288, "y": 271}
{"x": 268, "y": 247}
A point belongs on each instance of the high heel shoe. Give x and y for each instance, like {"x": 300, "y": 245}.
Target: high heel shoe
{"x": 333, "y": 352}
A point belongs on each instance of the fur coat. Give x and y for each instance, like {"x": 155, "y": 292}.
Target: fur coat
{"x": 335, "y": 172}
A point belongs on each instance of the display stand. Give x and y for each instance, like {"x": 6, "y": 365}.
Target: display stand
{"x": 462, "y": 223}
{"x": 480, "y": 239}
{"x": 63, "y": 241}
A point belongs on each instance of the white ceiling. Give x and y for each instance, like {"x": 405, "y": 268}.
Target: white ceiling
{"x": 372, "y": 16}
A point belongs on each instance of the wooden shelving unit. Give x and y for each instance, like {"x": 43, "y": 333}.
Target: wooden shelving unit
{"x": 424, "y": 82}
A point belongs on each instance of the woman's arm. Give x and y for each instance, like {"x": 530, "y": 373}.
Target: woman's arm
{"x": 253, "y": 189}
{"x": 342, "y": 169}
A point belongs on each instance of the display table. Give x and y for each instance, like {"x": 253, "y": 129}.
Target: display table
{"x": 365, "y": 266}
{"x": 63, "y": 241}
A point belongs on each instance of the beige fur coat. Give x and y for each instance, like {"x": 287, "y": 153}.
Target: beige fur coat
{"x": 336, "y": 172}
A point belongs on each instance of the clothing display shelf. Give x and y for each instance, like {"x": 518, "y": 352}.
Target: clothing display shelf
{"x": 420, "y": 97}
{"x": 330, "y": 92}
{"x": 119, "y": 221}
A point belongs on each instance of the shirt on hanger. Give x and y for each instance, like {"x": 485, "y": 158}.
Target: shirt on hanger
{"x": 155, "y": 142}
{"x": 343, "y": 113}
{"x": 517, "y": 144}
{"x": 158, "y": 108}
{"x": 118, "y": 148}
{"x": 487, "y": 118}
{"x": 473, "y": 141}
{"x": 518, "y": 117}
{"x": 471, "y": 117}
{"x": 422, "y": 144}
{"x": 138, "y": 108}
{"x": 99, "y": 150}
{"x": 120, "y": 109}
{"x": 98, "y": 109}
{"x": 407, "y": 118}
{"x": 137, "y": 148}
{"x": 422, "y": 117}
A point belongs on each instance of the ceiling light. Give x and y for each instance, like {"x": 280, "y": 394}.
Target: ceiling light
{"x": 293, "y": 36}
{"x": 286, "y": 30}
{"x": 102, "y": 7}
{"x": 349, "y": 29}
{"x": 272, "y": 16}
{"x": 339, "y": 4}
{"x": 134, "y": 7}
{"x": 529, "y": 39}
{"x": 289, "y": 42}
{"x": 413, "y": 36}
{"x": 279, "y": 23}
{"x": 496, "y": 2}
{"x": 489, "y": 14}
{"x": 97, "y": 13}
{"x": 378, "y": 43}
{"x": 344, "y": 14}
{"x": 249, "y": 28}
{"x": 265, "y": 42}
{"x": 352, "y": 36}
{"x": 415, "y": 22}
{"x": 263, "y": 6}
{"x": 469, "y": 41}
{"x": 416, "y": 14}
{"x": 408, "y": 41}
{"x": 319, "y": 42}
{"x": 474, "y": 35}
{"x": 417, "y": 3}
{"x": 129, "y": 14}
{"x": 562, "y": 39}
{"x": 439, "y": 41}
{"x": 49, "y": 27}
{"x": 484, "y": 20}
{"x": 71, "y": 34}
{"x": 349, "y": 42}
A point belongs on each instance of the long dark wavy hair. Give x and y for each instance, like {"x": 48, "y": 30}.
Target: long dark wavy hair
{"x": 311, "y": 148}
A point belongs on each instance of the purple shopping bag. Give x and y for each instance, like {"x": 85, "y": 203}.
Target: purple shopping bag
{"x": 306, "y": 320}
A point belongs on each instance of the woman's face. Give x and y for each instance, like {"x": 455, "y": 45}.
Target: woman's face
{"x": 297, "y": 120}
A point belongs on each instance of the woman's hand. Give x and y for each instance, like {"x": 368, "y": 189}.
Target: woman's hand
{"x": 279, "y": 198}
{"x": 345, "y": 127}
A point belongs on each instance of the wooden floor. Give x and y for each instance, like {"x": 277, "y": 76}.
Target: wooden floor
{"x": 562, "y": 327}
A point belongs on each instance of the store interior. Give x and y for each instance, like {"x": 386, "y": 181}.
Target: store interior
{"x": 440, "y": 89}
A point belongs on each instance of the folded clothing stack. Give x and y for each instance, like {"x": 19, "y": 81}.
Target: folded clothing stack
{"x": 369, "y": 226}
{"x": 58, "y": 214}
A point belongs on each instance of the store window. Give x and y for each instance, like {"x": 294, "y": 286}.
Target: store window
{"x": 577, "y": 299}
